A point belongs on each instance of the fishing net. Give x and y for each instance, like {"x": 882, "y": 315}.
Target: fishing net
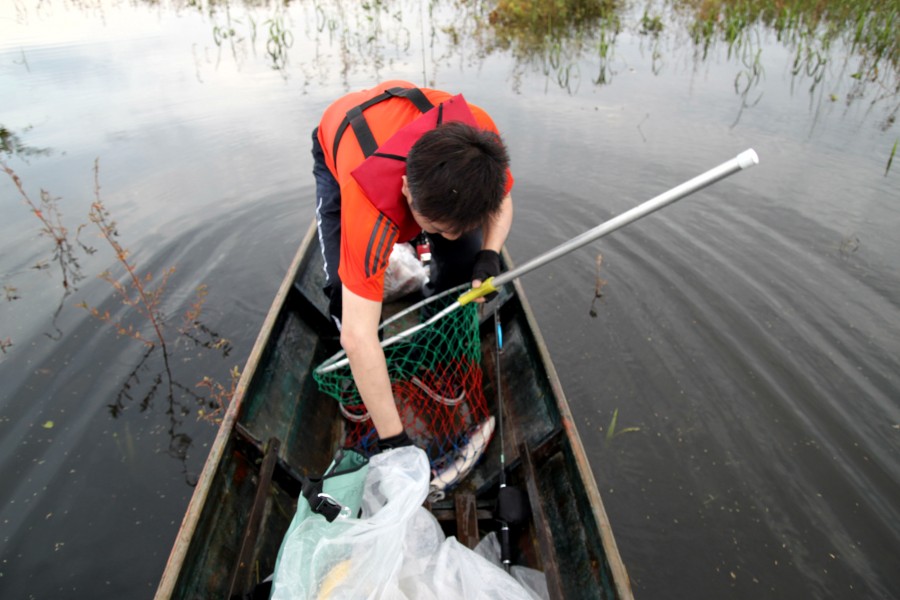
{"x": 433, "y": 353}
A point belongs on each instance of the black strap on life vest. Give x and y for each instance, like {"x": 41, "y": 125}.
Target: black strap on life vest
{"x": 357, "y": 120}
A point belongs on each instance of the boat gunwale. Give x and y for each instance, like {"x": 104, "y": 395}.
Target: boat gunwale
{"x": 611, "y": 549}
{"x": 175, "y": 562}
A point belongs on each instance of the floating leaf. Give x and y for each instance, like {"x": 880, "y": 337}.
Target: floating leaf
{"x": 48, "y": 425}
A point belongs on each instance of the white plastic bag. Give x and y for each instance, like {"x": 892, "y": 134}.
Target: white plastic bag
{"x": 405, "y": 273}
{"x": 533, "y": 580}
{"x": 395, "y": 550}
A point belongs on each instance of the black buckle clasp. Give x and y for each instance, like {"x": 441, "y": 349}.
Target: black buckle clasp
{"x": 327, "y": 506}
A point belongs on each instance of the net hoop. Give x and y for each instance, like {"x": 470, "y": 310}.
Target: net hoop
{"x": 339, "y": 359}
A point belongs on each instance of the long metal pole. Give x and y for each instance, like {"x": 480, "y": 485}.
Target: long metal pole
{"x": 744, "y": 160}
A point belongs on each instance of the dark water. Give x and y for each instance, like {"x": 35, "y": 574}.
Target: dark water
{"x": 747, "y": 338}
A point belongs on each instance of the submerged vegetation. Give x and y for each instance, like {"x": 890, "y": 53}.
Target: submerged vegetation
{"x": 141, "y": 315}
{"x": 891, "y": 157}
{"x": 860, "y": 39}
{"x": 542, "y": 16}
{"x": 870, "y": 28}
{"x": 842, "y": 50}
{"x": 11, "y": 145}
{"x": 850, "y": 47}
{"x": 562, "y": 38}
{"x": 552, "y": 36}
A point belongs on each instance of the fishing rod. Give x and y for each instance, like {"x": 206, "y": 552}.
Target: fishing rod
{"x": 504, "y": 522}
{"x": 512, "y": 505}
{"x": 744, "y": 160}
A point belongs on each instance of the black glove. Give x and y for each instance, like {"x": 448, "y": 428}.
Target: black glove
{"x": 395, "y": 441}
{"x": 487, "y": 264}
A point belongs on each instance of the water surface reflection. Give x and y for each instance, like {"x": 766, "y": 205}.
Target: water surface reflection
{"x": 746, "y": 341}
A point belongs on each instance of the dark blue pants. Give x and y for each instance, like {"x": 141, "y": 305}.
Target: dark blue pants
{"x": 328, "y": 213}
{"x": 451, "y": 260}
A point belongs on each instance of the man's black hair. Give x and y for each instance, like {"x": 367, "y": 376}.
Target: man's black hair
{"x": 456, "y": 175}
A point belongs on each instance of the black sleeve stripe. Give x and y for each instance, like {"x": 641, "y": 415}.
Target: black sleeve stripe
{"x": 381, "y": 242}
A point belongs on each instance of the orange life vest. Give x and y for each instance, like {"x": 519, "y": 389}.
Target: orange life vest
{"x": 373, "y": 219}
{"x": 380, "y": 174}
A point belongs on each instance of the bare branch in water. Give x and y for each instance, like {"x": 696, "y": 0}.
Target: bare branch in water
{"x": 598, "y": 286}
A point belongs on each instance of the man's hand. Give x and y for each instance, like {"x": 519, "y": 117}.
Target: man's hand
{"x": 487, "y": 264}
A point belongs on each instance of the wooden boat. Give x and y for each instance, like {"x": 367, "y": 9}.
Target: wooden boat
{"x": 279, "y": 425}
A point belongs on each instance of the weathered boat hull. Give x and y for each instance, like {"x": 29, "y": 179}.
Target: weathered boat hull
{"x": 279, "y": 425}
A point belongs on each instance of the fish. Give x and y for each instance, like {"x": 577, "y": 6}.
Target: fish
{"x": 456, "y": 470}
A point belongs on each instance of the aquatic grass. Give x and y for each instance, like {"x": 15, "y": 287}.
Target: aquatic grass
{"x": 651, "y": 25}
{"x": 611, "y": 431}
{"x": 748, "y": 80}
{"x": 11, "y": 145}
{"x": 546, "y": 15}
{"x": 46, "y": 210}
{"x": 567, "y": 39}
{"x": 849, "y": 44}
{"x": 139, "y": 295}
{"x": 218, "y": 396}
{"x": 279, "y": 42}
{"x": 551, "y": 35}
{"x": 605, "y": 46}
{"x": 145, "y": 298}
{"x": 891, "y": 157}
{"x": 869, "y": 27}
{"x": 554, "y": 36}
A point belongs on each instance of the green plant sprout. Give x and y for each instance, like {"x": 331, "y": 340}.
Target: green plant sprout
{"x": 611, "y": 432}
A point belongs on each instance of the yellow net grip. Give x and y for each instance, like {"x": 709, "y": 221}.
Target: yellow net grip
{"x": 487, "y": 287}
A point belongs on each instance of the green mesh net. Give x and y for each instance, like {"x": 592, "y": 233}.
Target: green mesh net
{"x": 433, "y": 353}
